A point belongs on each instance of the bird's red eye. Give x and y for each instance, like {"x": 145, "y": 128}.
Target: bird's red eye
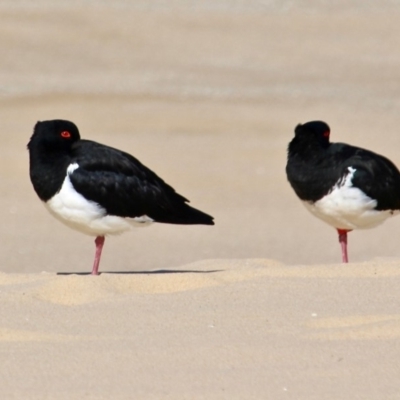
{"x": 326, "y": 134}
{"x": 65, "y": 135}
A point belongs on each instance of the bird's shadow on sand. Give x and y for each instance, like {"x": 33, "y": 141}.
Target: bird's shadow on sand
{"x": 157, "y": 272}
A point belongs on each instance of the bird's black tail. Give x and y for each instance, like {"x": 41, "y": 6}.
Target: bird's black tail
{"x": 185, "y": 215}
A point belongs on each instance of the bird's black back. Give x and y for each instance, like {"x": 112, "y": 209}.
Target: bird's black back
{"x": 125, "y": 187}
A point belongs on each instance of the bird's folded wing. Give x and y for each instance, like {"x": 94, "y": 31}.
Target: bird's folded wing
{"x": 378, "y": 178}
{"x": 120, "y": 183}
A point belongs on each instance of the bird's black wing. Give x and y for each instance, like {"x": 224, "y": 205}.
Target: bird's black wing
{"x": 125, "y": 187}
{"x": 375, "y": 175}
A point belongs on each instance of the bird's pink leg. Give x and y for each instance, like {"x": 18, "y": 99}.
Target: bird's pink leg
{"x": 343, "y": 242}
{"x": 99, "y": 247}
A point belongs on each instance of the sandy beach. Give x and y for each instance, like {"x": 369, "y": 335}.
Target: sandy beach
{"x": 206, "y": 94}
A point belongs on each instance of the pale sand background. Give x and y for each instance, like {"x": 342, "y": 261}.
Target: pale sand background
{"x": 206, "y": 94}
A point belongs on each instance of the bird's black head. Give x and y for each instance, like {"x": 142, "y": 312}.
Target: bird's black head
{"x": 54, "y": 135}
{"x": 50, "y": 150}
{"x": 313, "y": 131}
{"x": 310, "y": 139}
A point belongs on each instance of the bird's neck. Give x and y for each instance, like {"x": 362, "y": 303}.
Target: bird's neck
{"x": 47, "y": 171}
{"x": 306, "y": 150}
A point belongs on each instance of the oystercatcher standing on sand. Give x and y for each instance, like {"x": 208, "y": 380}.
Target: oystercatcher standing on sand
{"x": 99, "y": 190}
{"x": 345, "y": 186}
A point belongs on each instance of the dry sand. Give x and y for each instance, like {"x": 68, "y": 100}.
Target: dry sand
{"x": 206, "y": 94}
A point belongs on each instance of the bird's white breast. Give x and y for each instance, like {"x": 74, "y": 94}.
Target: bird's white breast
{"x": 347, "y": 207}
{"x": 75, "y": 211}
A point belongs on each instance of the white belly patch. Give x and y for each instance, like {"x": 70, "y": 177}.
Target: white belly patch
{"x": 347, "y": 207}
{"x": 72, "y": 209}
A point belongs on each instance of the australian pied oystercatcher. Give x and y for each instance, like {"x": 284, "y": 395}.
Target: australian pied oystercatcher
{"x": 345, "y": 186}
{"x": 99, "y": 190}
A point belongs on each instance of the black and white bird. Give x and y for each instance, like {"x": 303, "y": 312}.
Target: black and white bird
{"x": 99, "y": 190}
{"x": 345, "y": 186}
